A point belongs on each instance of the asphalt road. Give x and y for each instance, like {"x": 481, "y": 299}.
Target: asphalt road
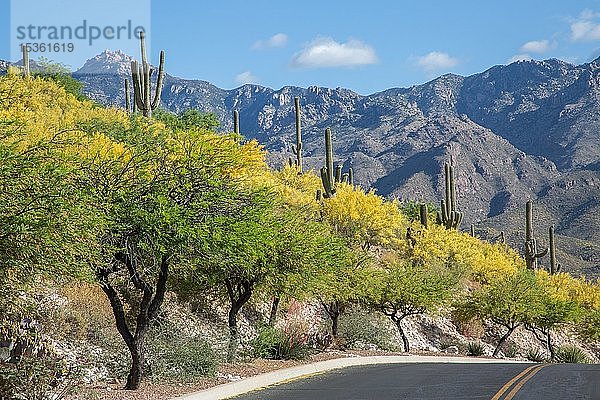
{"x": 443, "y": 381}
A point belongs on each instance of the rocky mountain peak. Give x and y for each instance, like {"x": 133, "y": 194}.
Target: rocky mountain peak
{"x": 107, "y": 63}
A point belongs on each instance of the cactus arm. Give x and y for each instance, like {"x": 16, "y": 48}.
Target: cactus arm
{"x": 350, "y": 176}
{"x": 338, "y": 173}
{"x": 127, "y": 96}
{"x": 444, "y": 212}
{"x": 459, "y": 219}
{"x": 137, "y": 85}
{"x": 146, "y": 90}
{"x": 541, "y": 253}
{"x": 328, "y": 184}
{"x": 531, "y": 250}
{"x": 159, "y": 80}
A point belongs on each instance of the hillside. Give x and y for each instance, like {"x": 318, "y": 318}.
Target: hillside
{"x": 521, "y": 131}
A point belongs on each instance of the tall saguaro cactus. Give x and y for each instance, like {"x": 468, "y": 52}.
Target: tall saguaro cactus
{"x": 330, "y": 176}
{"x": 531, "y": 249}
{"x": 449, "y": 216}
{"x": 26, "y": 69}
{"x": 141, "y": 74}
{"x": 554, "y": 266}
{"x": 297, "y": 149}
{"x": 327, "y": 173}
{"x": 236, "y": 122}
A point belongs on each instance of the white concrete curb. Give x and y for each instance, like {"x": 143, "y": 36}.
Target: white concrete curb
{"x": 232, "y": 389}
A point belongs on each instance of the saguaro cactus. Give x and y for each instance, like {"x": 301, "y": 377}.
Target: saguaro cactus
{"x": 448, "y": 216}
{"x": 554, "y": 266}
{"x": 297, "y": 149}
{"x": 423, "y": 214}
{"x": 350, "y": 176}
{"x": 141, "y": 74}
{"x": 327, "y": 173}
{"x": 26, "y": 69}
{"x": 236, "y": 122}
{"x": 531, "y": 249}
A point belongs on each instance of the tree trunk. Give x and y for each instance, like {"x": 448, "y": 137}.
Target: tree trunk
{"x": 334, "y": 310}
{"x": 150, "y": 304}
{"x": 334, "y": 324}
{"x": 136, "y": 372}
{"x": 405, "y": 343}
{"x": 239, "y": 294}
{"x": 550, "y": 345}
{"x": 233, "y": 334}
{"x": 274, "y": 308}
{"x": 502, "y": 340}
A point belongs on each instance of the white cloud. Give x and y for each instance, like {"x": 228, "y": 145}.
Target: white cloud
{"x": 436, "y": 60}
{"x": 326, "y": 52}
{"x": 536, "y": 46}
{"x": 246, "y": 77}
{"x": 585, "y": 31}
{"x": 277, "y": 40}
{"x": 586, "y": 28}
{"x": 519, "y": 57}
{"x": 588, "y": 14}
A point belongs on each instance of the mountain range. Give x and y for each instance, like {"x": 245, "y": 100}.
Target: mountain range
{"x": 527, "y": 130}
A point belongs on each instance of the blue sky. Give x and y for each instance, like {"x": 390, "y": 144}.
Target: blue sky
{"x": 366, "y": 46}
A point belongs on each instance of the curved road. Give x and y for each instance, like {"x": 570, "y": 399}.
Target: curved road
{"x": 443, "y": 381}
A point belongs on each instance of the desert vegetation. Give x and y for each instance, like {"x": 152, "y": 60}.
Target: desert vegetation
{"x": 121, "y": 230}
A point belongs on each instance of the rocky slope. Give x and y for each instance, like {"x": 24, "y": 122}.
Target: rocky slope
{"x": 522, "y": 131}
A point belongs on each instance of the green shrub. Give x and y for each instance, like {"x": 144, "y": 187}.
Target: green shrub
{"x": 571, "y": 354}
{"x": 359, "y": 326}
{"x": 511, "y": 350}
{"x": 536, "y": 355}
{"x": 36, "y": 378}
{"x": 275, "y": 344}
{"x": 174, "y": 357}
{"x": 475, "y": 349}
{"x": 30, "y": 369}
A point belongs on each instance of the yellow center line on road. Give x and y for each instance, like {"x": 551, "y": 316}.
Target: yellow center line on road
{"x": 508, "y": 384}
{"x": 519, "y": 385}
